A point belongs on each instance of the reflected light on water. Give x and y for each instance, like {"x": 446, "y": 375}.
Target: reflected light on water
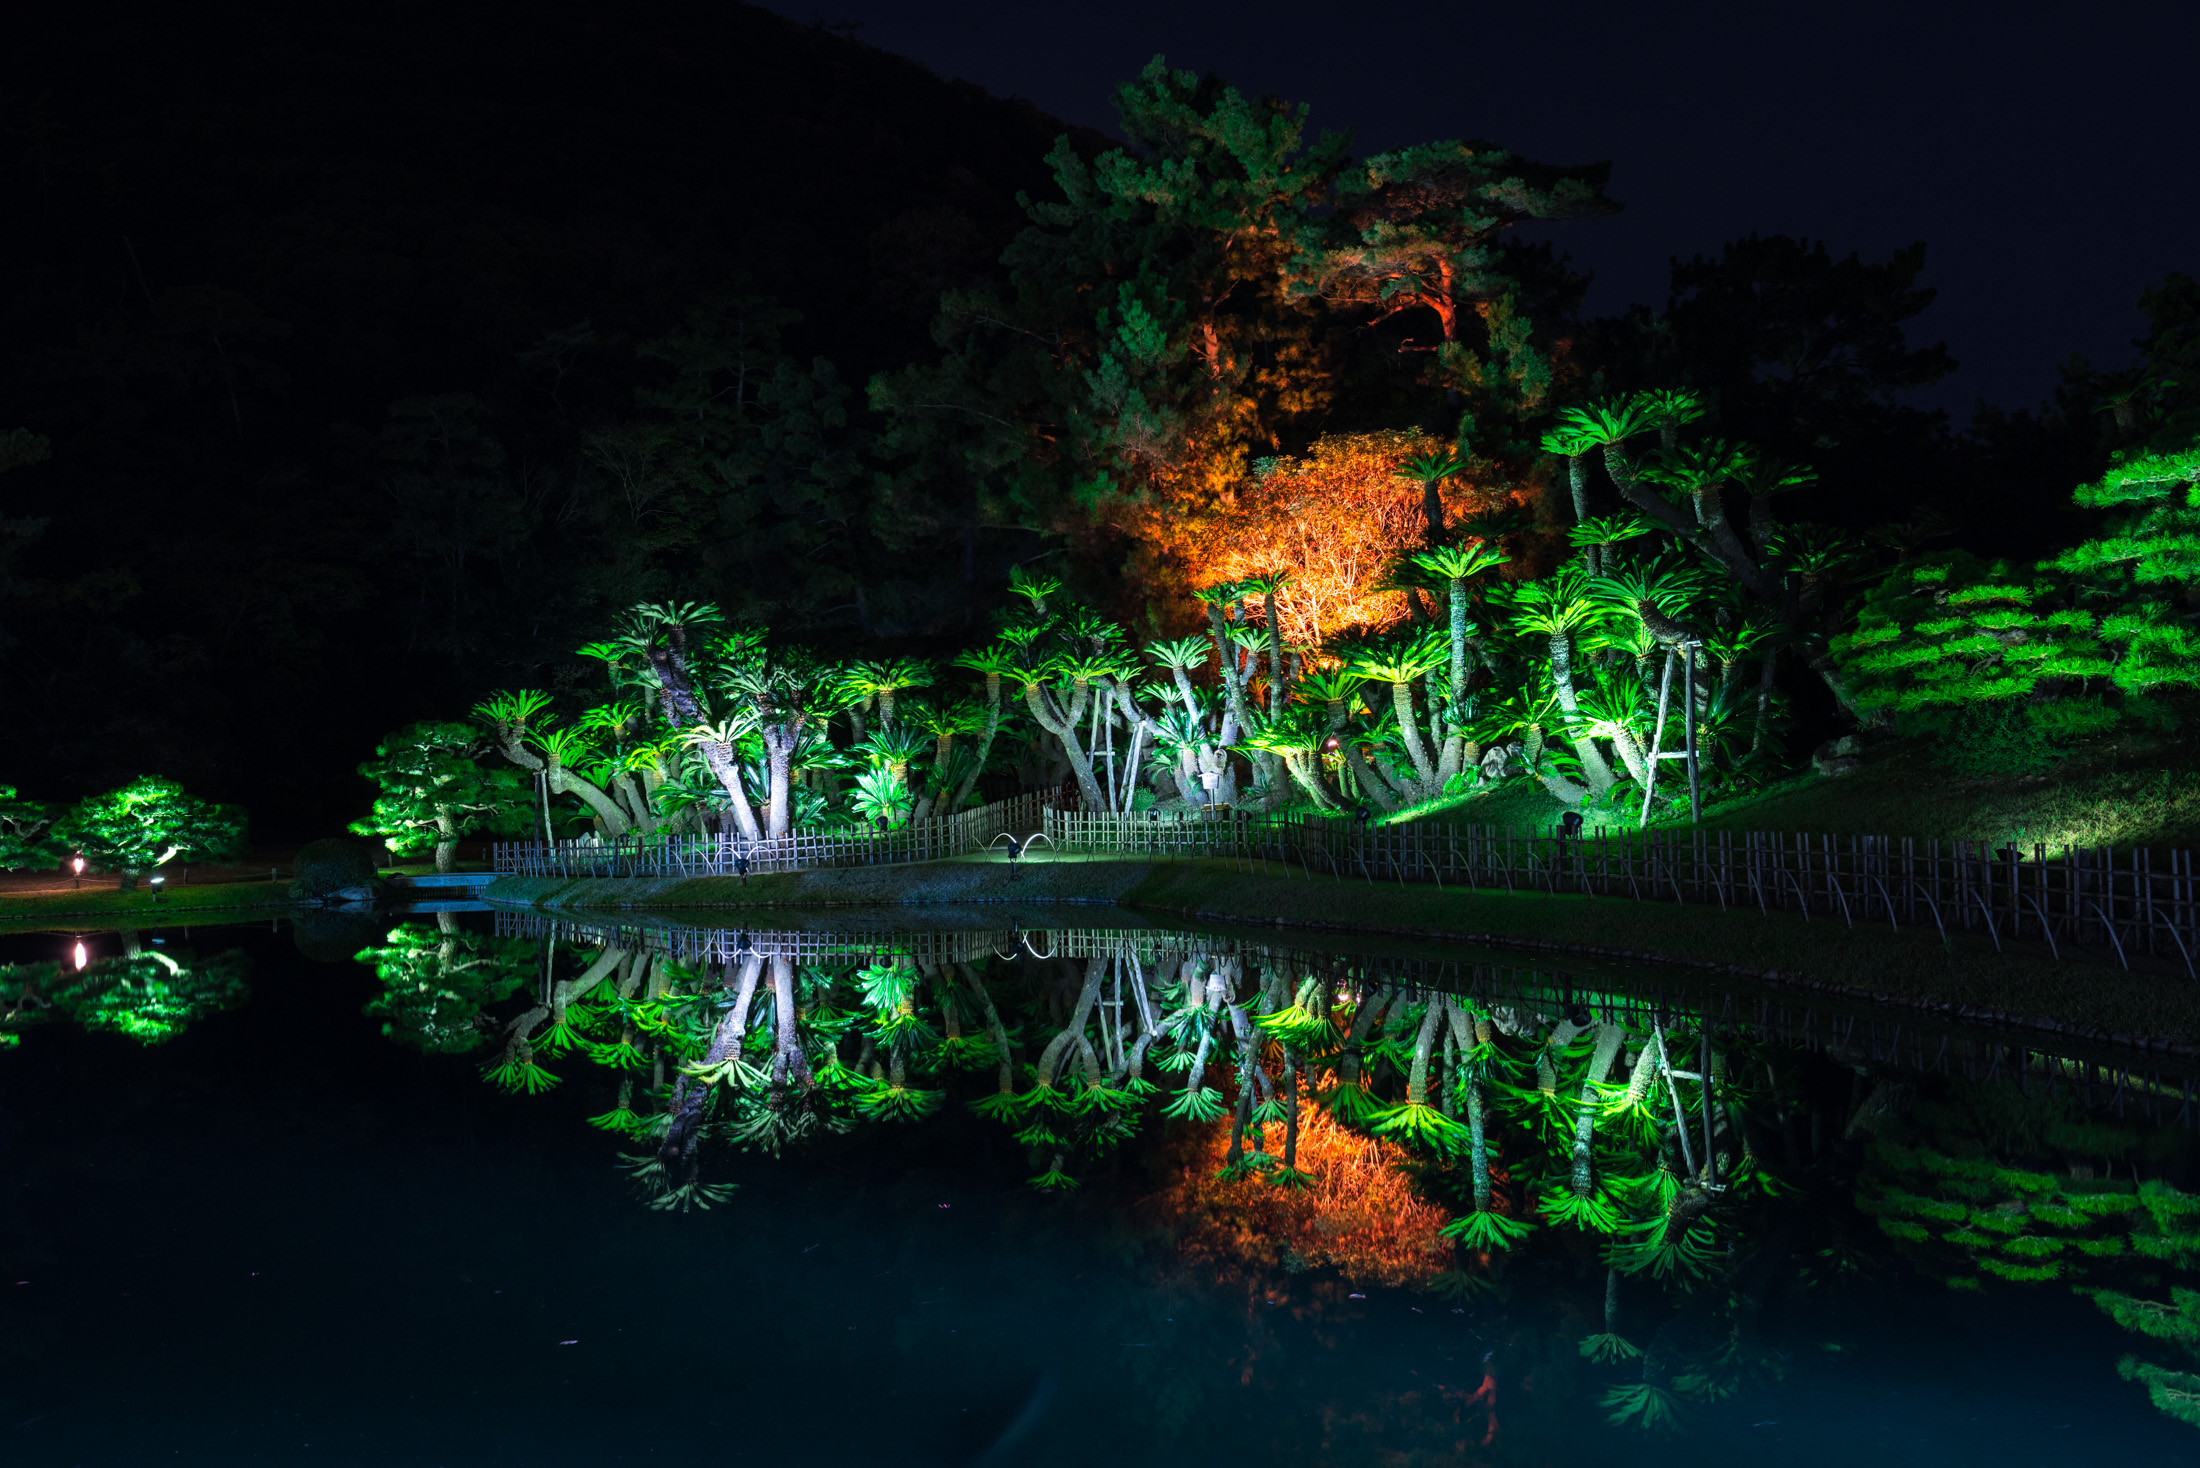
{"x": 1309, "y": 1205}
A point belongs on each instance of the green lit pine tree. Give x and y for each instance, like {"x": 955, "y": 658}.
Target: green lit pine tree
{"x": 27, "y": 836}
{"x": 1990, "y": 661}
{"x": 434, "y": 790}
{"x": 2149, "y": 563}
{"x": 146, "y": 824}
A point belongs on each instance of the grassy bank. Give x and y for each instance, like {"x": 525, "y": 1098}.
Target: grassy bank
{"x": 110, "y": 907}
{"x": 2131, "y": 790}
{"x": 1965, "y": 977}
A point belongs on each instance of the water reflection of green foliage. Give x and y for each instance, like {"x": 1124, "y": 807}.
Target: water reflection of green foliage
{"x": 1589, "y": 1137}
{"x": 150, "y": 994}
{"x": 1983, "y": 1189}
{"x": 437, "y": 982}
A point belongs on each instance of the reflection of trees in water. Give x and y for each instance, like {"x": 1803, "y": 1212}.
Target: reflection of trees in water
{"x": 149, "y": 993}
{"x": 437, "y": 981}
{"x": 1320, "y": 1119}
{"x": 1999, "y": 1189}
{"x": 1630, "y": 1192}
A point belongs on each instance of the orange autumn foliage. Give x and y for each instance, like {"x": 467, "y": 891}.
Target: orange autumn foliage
{"x": 1335, "y": 521}
{"x": 1359, "y": 1216}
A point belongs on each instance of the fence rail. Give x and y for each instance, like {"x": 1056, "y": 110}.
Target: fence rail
{"x": 720, "y": 856}
{"x": 2129, "y": 902}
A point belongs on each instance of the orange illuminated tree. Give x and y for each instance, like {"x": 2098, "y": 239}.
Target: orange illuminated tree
{"x": 1335, "y": 520}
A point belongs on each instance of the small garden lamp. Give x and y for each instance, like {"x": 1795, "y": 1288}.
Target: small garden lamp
{"x": 156, "y": 882}
{"x": 82, "y": 958}
{"x": 76, "y": 865}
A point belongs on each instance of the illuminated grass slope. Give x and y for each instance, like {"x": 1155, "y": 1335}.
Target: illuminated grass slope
{"x": 2132, "y": 789}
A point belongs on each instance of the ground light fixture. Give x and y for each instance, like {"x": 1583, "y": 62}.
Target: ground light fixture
{"x": 76, "y": 865}
{"x": 156, "y": 882}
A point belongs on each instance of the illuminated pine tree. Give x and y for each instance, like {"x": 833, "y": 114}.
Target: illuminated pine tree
{"x": 149, "y": 822}
{"x": 434, "y": 790}
{"x": 27, "y": 836}
{"x": 1418, "y": 230}
{"x": 1955, "y": 645}
{"x": 2148, "y": 563}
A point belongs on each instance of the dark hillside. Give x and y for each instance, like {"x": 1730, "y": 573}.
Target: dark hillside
{"x": 237, "y": 241}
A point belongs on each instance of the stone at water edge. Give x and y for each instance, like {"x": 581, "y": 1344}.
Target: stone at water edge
{"x": 335, "y": 870}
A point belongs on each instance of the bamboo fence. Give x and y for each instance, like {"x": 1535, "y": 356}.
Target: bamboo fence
{"x": 724, "y": 856}
{"x": 2128, "y": 901}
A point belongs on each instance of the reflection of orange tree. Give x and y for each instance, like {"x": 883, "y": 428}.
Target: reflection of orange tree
{"x": 1358, "y": 1213}
{"x": 1336, "y": 521}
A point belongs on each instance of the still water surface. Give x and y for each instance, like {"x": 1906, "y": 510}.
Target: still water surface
{"x": 262, "y": 1206}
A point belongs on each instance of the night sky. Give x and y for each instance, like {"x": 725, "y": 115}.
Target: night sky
{"x": 2045, "y": 153}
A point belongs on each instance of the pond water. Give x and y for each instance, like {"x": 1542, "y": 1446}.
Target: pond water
{"x": 509, "y": 1192}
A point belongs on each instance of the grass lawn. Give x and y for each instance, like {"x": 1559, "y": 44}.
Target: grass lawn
{"x": 2131, "y": 790}
{"x": 1516, "y": 802}
{"x": 2134, "y": 790}
{"x": 175, "y": 905}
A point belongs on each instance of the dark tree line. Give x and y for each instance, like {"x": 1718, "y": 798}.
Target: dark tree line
{"x": 367, "y": 368}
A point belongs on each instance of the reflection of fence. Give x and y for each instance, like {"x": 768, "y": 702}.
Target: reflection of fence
{"x": 2125, "y": 901}
{"x": 699, "y": 946}
{"x": 2096, "y": 1071}
{"x": 720, "y": 856}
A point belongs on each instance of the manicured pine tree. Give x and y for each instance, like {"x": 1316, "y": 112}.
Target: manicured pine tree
{"x": 2147, "y": 565}
{"x": 147, "y": 823}
{"x": 435, "y": 790}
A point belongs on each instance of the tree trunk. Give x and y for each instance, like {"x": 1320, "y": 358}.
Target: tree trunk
{"x": 1577, "y": 476}
{"x": 565, "y": 782}
{"x": 1631, "y": 754}
{"x": 779, "y": 746}
{"x": 1401, "y": 702}
{"x": 631, "y": 800}
{"x": 1063, "y": 726}
{"x": 1276, "y": 679}
{"x": 720, "y": 760}
{"x": 789, "y": 1062}
{"x": 1477, "y": 1146}
{"x": 1764, "y": 702}
{"x": 1593, "y": 766}
{"x": 1363, "y": 1020}
{"x": 446, "y": 839}
{"x": 1423, "y": 1043}
{"x": 985, "y": 747}
{"x": 1661, "y": 511}
{"x": 1377, "y": 787}
{"x": 1050, "y": 1059}
{"x": 1585, "y": 1122}
{"x": 682, "y": 1132}
{"x": 580, "y": 986}
{"x": 1458, "y": 643}
{"x": 1308, "y": 774}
